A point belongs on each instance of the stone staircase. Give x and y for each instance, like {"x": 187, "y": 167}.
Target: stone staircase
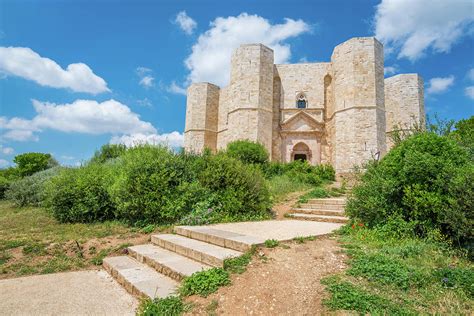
{"x": 321, "y": 210}
{"x": 155, "y": 269}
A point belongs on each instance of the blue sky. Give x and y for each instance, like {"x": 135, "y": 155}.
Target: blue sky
{"x": 78, "y": 74}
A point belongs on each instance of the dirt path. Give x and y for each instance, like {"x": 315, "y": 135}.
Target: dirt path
{"x": 283, "y": 207}
{"x": 286, "y": 283}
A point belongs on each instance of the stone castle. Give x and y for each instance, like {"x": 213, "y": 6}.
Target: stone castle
{"x": 339, "y": 112}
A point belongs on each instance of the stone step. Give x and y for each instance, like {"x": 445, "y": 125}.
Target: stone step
{"x": 317, "y": 212}
{"x": 138, "y": 278}
{"x": 328, "y": 201}
{"x": 318, "y": 218}
{"x": 200, "y": 251}
{"x": 219, "y": 237}
{"x": 166, "y": 262}
{"x": 322, "y": 206}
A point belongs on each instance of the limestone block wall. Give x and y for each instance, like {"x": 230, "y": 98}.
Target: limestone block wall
{"x": 404, "y": 102}
{"x": 201, "y": 117}
{"x": 251, "y": 95}
{"x": 359, "y": 117}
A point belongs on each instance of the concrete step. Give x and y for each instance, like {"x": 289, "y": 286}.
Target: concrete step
{"x": 321, "y": 206}
{"x": 219, "y": 237}
{"x": 316, "y": 211}
{"x": 138, "y": 278}
{"x": 166, "y": 262}
{"x": 328, "y": 201}
{"x": 200, "y": 251}
{"x": 319, "y": 218}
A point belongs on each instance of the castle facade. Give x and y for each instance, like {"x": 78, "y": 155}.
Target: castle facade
{"x": 339, "y": 112}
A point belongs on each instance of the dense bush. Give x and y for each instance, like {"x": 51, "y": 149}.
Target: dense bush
{"x": 29, "y": 163}
{"x": 241, "y": 189}
{"x": 31, "y": 190}
{"x": 301, "y": 170}
{"x": 4, "y": 185}
{"x": 428, "y": 180}
{"x": 149, "y": 184}
{"x": 81, "y": 195}
{"x": 155, "y": 185}
{"x": 247, "y": 152}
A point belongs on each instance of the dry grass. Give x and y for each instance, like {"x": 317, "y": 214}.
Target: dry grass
{"x": 33, "y": 242}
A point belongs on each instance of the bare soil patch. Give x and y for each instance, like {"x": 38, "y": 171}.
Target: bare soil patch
{"x": 278, "y": 281}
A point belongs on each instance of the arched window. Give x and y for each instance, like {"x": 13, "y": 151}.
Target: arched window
{"x": 301, "y": 102}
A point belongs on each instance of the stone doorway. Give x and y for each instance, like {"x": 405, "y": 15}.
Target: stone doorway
{"x": 301, "y": 152}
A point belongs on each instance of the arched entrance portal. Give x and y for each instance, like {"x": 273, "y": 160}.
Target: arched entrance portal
{"x": 301, "y": 152}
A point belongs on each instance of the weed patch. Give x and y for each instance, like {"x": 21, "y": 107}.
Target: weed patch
{"x": 205, "y": 282}
{"x": 169, "y": 306}
{"x": 239, "y": 264}
{"x": 346, "y": 296}
{"x": 271, "y": 243}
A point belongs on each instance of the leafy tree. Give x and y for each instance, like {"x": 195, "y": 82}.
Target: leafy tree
{"x": 464, "y": 134}
{"x": 108, "y": 151}
{"x": 29, "y": 163}
{"x": 247, "y": 152}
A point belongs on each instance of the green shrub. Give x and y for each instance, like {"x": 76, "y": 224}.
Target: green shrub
{"x": 4, "y": 185}
{"x": 271, "y": 243}
{"x": 80, "y": 195}
{"x": 29, "y": 163}
{"x": 464, "y": 135}
{"x": 325, "y": 172}
{"x": 108, "y": 151}
{"x": 155, "y": 186}
{"x": 169, "y": 306}
{"x": 205, "y": 282}
{"x": 241, "y": 189}
{"x": 31, "y": 189}
{"x": 316, "y": 193}
{"x": 247, "y": 152}
{"x": 428, "y": 180}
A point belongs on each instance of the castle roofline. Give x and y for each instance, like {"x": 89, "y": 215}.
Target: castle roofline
{"x": 255, "y": 44}
{"x": 404, "y": 75}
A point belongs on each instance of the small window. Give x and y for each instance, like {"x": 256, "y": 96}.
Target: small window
{"x": 301, "y": 102}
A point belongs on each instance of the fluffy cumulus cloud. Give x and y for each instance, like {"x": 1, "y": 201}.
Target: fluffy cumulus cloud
{"x": 439, "y": 85}
{"x": 24, "y": 62}
{"x": 173, "y": 139}
{"x": 185, "y": 22}
{"x": 81, "y": 116}
{"x": 412, "y": 27}
{"x": 4, "y": 163}
{"x": 469, "y": 91}
{"x": 176, "y": 89}
{"x": 6, "y": 150}
{"x": 146, "y": 78}
{"x": 390, "y": 70}
{"x": 210, "y": 57}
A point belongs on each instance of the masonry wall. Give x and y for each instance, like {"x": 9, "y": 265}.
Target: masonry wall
{"x": 202, "y": 109}
{"x": 250, "y": 110}
{"x": 404, "y": 102}
{"x": 359, "y": 117}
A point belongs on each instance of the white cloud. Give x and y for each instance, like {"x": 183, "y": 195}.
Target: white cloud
{"x": 176, "y": 89}
{"x": 173, "y": 139}
{"x": 390, "y": 70}
{"x": 146, "y": 79}
{"x": 412, "y": 27}
{"x": 469, "y": 91}
{"x": 81, "y": 116}
{"x": 210, "y": 57}
{"x": 470, "y": 74}
{"x": 185, "y": 22}
{"x": 24, "y": 62}
{"x": 4, "y": 163}
{"x": 145, "y": 103}
{"x": 6, "y": 150}
{"x": 439, "y": 85}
